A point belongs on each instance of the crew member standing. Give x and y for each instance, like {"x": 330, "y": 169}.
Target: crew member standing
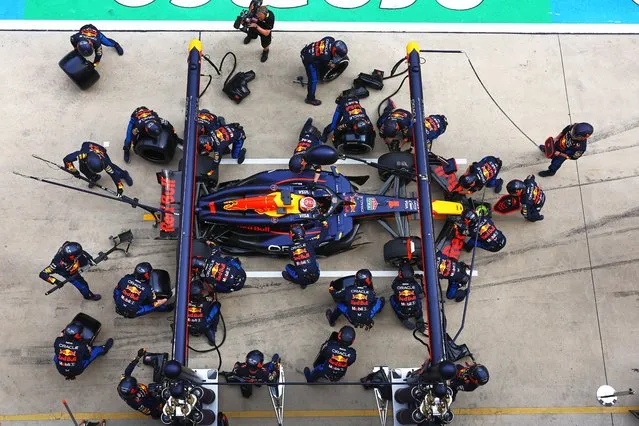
{"x": 89, "y": 38}
{"x": 67, "y": 263}
{"x": 325, "y": 51}
{"x": 569, "y": 144}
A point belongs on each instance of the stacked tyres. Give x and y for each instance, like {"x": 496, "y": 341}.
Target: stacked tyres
{"x": 159, "y": 150}
{"x": 354, "y": 144}
{"x": 329, "y": 74}
{"x": 79, "y": 69}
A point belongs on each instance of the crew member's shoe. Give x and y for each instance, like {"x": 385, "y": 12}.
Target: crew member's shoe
{"x": 127, "y": 155}
{"x": 408, "y": 324}
{"x": 468, "y": 246}
{"x": 94, "y": 296}
{"x": 500, "y": 184}
{"x": 546, "y": 173}
{"x": 108, "y": 345}
{"x": 241, "y": 156}
{"x": 307, "y": 374}
{"x": 314, "y": 102}
{"x": 542, "y": 148}
{"x": 247, "y": 39}
{"x": 127, "y": 178}
{"x": 287, "y": 276}
{"x": 264, "y": 56}
{"x": 119, "y": 49}
{"x": 329, "y": 313}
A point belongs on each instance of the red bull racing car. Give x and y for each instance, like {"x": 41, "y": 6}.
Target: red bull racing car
{"x": 254, "y": 215}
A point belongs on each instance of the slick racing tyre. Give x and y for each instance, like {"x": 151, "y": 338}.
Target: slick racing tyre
{"x": 354, "y": 144}
{"x": 91, "y": 327}
{"x": 396, "y": 251}
{"x": 161, "y": 283}
{"x": 327, "y": 74}
{"x": 79, "y": 69}
{"x": 395, "y": 160}
{"x": 160, "y": 150}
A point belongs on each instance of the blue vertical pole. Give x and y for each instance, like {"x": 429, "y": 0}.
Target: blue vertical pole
{"x": 183, "y": 272}
{"x": 433, "y": 315}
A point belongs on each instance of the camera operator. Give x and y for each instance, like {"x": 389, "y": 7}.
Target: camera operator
{"x": 260, "y": 23}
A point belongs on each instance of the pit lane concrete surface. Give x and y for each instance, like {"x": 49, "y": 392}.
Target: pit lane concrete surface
{"x": 553, "y": 315}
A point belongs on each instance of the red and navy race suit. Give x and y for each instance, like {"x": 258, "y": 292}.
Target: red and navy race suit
{"x": 69, "y": 270}
{"x": 71, "y": 356}
{"x": 241, "y": 373}
{"x": 456, "y": 273}
{"x": 146, "y": 399}
{"x": 348, "y": 112}
{"x": 96, "y": 37}
{"x": 116, "y": 173}
{"x": 489, "y": 237}
{"x": 359, "y": 304}
{"x": 230, "y": 134}
{"x": 305, "y": 269}
{"x": 203, "y": 315}
{"x": 137, "y": 126}
{"x": 308, "y": 140}
{"x": 332, "y": 362}
{"x": 207, "y": 122}
{"x": 134, "y": 298}
{"x": 566, "y": 148}
{"x": 463, "y": 380}
{"x": 485, "y": 172}
{"x": 224, "y": 273}
{"x": 407, "y": 299}
{"x": 313, "y": 55}
{"x": 532, "y": 200}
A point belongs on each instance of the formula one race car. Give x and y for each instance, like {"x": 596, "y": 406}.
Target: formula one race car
{"x": 254, "y": 215}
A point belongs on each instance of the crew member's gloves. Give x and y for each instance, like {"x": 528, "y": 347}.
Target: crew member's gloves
{"x": 120, "y": 191}
{"x": 74, "y": 172}
{"x": 141, "y": 353}
{"x": 95, "y": 64}
{"x": 127, "y": 155}
{"x": 119, "y": 49}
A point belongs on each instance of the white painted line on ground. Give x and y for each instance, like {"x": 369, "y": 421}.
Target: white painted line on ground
{"x": 109, "y": 25}
{"x": 284, "y": 161}
{"x": 329, "y": 274}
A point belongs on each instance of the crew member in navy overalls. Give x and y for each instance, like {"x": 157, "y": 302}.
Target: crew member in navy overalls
{"x": 482, "y": 173}
{"x": 134, "y": 296}
{"x": 73, "y": 354}
{"x": 93, "y": 159}
{"x": 203, "y": 312}
{"x": 569, "y": 144}
{"x": 457, "y": 273}
{"x": 67, "y": 263}
{"x": 145, "y": 122}
{"x": 358, "y": 303}
{"x": 325, "y": 51}
{"x": 482, "y": 232}
{"x": 224, "y": 274}
{"x": 145, "y": 399}
{"x": 349, "y": 116}
{"x": 304, "y": 268}
{"x": 406, "y": 300}
{"x": 334, "y": 358}
{"x": 90, "y": 39}
{"x": 531, "y": 197}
